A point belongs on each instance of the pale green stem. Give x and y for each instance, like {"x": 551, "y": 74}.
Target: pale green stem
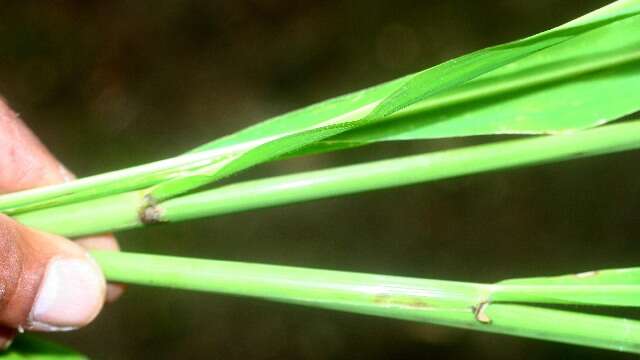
{"x": 448, "y": 303}
{"x": 130, "y": 210}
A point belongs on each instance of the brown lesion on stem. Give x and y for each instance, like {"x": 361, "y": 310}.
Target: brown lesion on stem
{"x": 150, "y": 212}
{"x": 480, "y": 314}
{"x": 412, "y": 302}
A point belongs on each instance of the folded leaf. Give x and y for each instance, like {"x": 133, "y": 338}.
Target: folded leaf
{"x": 615, "y": 287}
{"x": 583, "y": 82}
{"x": 629, "y": 276}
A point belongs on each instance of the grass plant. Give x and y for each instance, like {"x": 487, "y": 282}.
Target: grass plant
{"x": 564, "y": 86}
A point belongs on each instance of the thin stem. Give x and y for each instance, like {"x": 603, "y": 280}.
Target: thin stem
{"x": 402, "y": 171}
{"x": 132, "y": 211}
{"x": 448, "y": 303}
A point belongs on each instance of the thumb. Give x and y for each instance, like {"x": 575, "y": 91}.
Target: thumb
{"x": 47, "y": 283}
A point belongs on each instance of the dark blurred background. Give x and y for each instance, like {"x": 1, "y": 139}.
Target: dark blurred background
{"x": 113, "y": 84}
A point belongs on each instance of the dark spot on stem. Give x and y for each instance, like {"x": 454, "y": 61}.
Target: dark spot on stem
{"x": 150, "y": 213}
{"x": 412, "y": 302}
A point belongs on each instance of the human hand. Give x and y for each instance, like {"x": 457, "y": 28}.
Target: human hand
{"x": 47, "y": 283}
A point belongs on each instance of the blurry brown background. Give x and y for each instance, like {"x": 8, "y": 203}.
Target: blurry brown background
{"x": 113, "y": 84}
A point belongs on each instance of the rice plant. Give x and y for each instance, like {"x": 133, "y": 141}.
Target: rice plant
{"x": 562, "y": 87}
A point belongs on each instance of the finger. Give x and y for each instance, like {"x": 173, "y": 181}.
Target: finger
{"x": 31, "y": 165}
{"x": 6, "y": 337}
{"x": 26, "y": 163}
{"x": 105, "y": 243}
{"x": 48, "y": 283}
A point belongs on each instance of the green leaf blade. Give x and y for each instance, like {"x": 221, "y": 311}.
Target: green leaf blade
{"x": 580, "y": 83}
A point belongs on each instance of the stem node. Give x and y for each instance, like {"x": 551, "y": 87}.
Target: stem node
{"x": 150, "y": 213}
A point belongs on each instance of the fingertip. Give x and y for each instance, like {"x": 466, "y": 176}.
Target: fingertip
{"x": 71, "y": 295}
{"x": 53, "y": 284}
{"x": 115, "y": 292}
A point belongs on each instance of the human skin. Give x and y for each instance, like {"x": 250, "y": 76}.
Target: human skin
{"x": 47, "y": 283}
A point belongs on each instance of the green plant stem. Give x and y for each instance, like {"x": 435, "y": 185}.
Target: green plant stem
{"x": 434, "y": 301}
{"x": 401, "y": 171}
{"x": 125, "y": 211}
